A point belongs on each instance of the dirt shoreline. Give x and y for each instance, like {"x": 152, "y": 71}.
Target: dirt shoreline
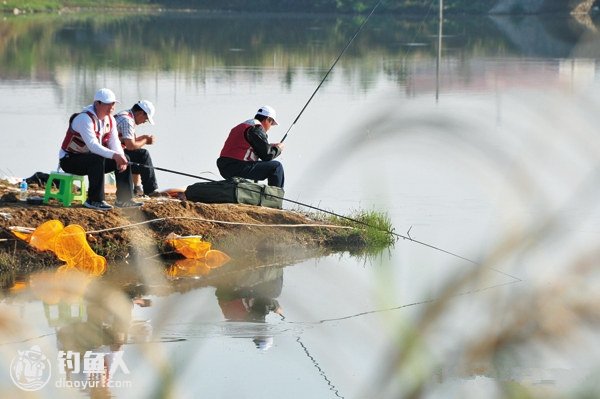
{"x": 238, "y": 230}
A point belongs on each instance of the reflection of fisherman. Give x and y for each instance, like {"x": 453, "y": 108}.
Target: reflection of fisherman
{"x": 251, "y": 297}
{"x": 101, "y": 337}
{"x": 263, "y": 343}
{"x": 246, "y": 309}
{"x": 105, "y": 325}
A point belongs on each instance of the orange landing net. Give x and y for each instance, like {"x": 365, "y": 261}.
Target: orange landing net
{"x": 200, "y": 259}
{"x": 68, "y": 243}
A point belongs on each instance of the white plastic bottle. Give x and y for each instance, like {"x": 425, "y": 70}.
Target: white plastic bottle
{"x": 23, "y": 193}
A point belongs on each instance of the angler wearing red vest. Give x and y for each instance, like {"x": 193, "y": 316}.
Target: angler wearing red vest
{"x": 91, "y": 147}
{"x": 247, "y": 152}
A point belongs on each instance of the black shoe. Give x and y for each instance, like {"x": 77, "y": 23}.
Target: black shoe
{"x": 99, "y": 205}
{"x": 127, "y": 204}
{"x": 156, "y": 193}
{"x": 138, "y": 191}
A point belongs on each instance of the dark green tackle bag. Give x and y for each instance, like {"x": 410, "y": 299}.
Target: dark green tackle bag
{"x": 235, "y": 191}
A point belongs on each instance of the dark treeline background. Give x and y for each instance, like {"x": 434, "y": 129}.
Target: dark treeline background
{"x": 338, "y": 6}
{"x": 404, "y": 7}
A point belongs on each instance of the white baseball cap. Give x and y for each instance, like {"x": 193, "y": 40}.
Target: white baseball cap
{"x": 263, "y": 343}
{"x": 148, "y": 108}
{"x": 268, "y": 112}
{"x": 105, "y": 96}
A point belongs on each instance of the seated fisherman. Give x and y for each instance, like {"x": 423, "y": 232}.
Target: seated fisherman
{"x": 127, "y": 121}
{"x": 247, "y": 152}
{"x": 91, "y": 147}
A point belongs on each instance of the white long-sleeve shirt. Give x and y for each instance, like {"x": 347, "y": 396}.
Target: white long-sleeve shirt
{"x": 84, "y": 125}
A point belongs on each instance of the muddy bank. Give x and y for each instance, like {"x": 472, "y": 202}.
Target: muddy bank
{"x": 118, "y": 234}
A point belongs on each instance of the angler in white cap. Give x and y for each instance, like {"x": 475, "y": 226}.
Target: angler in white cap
{"x": 127, "y": 121}
{"x": 91, "y": 148}
{"x": 247, "y": 152}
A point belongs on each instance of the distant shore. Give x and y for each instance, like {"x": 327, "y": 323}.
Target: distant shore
{"x": 40, "y": 6}
{"x": 484, "y": 7}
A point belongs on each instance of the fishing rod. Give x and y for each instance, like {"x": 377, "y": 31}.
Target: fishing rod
{"x": 330, "y": 69}
{"x": 256, "y": 191}
{"x": 353, "y": 220}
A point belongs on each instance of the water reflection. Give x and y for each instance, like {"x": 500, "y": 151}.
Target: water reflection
{"x": 246, "y": 293}
{"x": 250, "y": 297}
{"x": 40, "y": 46}
{"x": 93, "y": 323}
{"x": 505, "y": 144}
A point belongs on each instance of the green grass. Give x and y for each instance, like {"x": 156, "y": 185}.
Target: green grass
{"x": 374, "y": 227}
{"x": 22, "y": 262}
{"x": 55, "y": 5}
{"x": 8, "y": 265}
{"x": 35, "y": 5}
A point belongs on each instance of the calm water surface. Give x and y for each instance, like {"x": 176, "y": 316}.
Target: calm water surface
{"x": 489, "y": 152}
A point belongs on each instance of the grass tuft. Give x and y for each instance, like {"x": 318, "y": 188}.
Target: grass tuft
{"x": 375, "y": 228}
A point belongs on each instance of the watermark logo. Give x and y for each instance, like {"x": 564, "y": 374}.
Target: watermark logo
{"x": 93, "y": 362}
{"x": 30, "y": 369}
{"x": 91, "y": 370}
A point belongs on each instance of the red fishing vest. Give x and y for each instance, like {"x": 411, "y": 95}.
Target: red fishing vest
{"x": 236, "y": 146}
{"x": 235, "y": 309}
{"x": 74, "y": 144}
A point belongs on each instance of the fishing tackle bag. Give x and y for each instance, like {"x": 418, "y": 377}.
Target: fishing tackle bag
{"x": 235, "y": 191}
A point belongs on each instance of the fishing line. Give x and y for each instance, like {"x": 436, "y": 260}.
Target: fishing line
{"x": 319, "y": 368}
{"x": 330, "y": 69}
{"x": 273, "y": 196}
{"x": 212, "y": 221}
{"x": 353, "y": 220}
{"x": 408, "y": 305}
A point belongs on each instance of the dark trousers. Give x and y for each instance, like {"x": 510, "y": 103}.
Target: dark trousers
{"x": 142, "y": 156}
{"x": 270, "y": 170}
{"x": 94, "y": 167}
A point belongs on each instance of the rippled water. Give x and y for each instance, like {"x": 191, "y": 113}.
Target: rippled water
{"x": 492, "y": 157}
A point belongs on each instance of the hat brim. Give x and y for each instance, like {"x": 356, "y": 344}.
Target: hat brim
{"x": 143, "y": 107}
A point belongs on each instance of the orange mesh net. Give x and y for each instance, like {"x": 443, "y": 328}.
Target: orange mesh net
{"x": 192, "y": 247}
{"x": 68, "y": 243}
{"x": 23, "y": 233}
{"x": 44, "y": 237}
{"x": 188, "y": 268}
{"x": 73, "y": 248}
{"x": 200, "y": 258}
{"x": 215, "y": 258}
